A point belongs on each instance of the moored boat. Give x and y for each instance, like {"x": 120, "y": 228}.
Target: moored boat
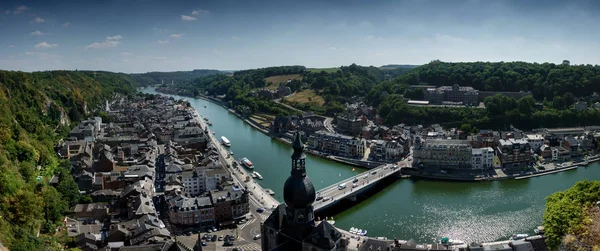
{"x": 247, "y": 163}
{"x": 258, "y": 176}
{"x": 451, "y": 242}
{"x": 225, "y": 141}
{"x": 270, "y": 192}
{"x": 364, "y": 232}
{"x": 515, "y": 237}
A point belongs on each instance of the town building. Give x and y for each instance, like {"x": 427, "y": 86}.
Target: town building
{"x": 337, "y": 144}
{"x": 535, "y": 141}
{"x": 514, "y": 152}
{"x": 460, "y": 94}
{"x": 442, "y": 154}
{"x": 349, "y": 123}
{"x": 390, "y": 151}
{"x": 482, "y": 158}
{"x": 291, "y": 226}
{"x": 196, "y": 211}
{"x": 87, "y": 130}
{"x": 194, "y": 182}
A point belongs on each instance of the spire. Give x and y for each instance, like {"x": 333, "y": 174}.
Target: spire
{"x": 198, "y": 246}
{"x": 298, "y": 157}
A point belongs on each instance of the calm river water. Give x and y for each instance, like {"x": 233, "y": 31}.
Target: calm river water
{"x": 417, "y": 209}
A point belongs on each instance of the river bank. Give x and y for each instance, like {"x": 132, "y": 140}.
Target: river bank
{"x": 362, "y": 164}
{"x": 422, "y": 174}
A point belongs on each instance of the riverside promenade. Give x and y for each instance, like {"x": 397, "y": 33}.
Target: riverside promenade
{"x": 259, "y": 195}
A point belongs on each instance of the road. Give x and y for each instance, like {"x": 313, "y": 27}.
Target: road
{"x": 258, "y": 198}
{"x": 336, "y": 192}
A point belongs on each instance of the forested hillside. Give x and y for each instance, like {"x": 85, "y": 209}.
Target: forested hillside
{"x": 155, "y": 77}
{"x": 545, "y": 80}
{"x": 36, "y": 110}
{"x": 571, "y": 217}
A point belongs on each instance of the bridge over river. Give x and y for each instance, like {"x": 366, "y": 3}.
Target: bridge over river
{"x": 351, "y": 187}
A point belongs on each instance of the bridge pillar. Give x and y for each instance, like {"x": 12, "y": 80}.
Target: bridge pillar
{"x": 351, "y": 198}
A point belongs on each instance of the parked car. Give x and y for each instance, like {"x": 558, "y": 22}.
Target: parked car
{"x": 260, "y": 210}
{"x": 214, "y": 238}
{"x": 214, "y": 229}
{"x": 204, "y": 243}
{"x": 256, "y": 237}
{"x": 221, "y": 238}
{"x": 319, "y": 197}
{"x": 228, "y": 244}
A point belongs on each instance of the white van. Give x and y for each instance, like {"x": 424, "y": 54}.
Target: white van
{"x": 342, "y": 186}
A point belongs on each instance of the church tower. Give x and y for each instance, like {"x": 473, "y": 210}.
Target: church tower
{"x": 291, "y": 226}
{"x": 299, "y": 193}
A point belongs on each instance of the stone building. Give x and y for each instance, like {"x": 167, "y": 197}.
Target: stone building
{"x": 443, "y": 154}
{"x": 292, "y": 226}
{"x": 460, "y": 94}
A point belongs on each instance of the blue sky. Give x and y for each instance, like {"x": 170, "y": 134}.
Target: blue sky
{"x": 145, "y": 35}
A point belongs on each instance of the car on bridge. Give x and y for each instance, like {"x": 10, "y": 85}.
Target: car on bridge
{"x": 374, "y": 172}
{"x": 355, "y": 180}
{"x": 354, "y": 185}
{"x": 342, "y": 186}
{"x": 319, "y": 196}
{"x": 326, "y": 198}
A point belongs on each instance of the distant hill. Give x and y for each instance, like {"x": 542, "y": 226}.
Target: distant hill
{"x": 156, "y": 77}
{"x": 396, "y": 66}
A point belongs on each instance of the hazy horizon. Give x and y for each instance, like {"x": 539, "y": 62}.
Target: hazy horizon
{"x": 142, "y": 36}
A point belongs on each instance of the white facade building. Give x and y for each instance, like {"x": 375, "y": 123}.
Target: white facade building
{"x": 194, "y": 182}
{"x": 536, "y": 141}
{"x": 482, "y": 158}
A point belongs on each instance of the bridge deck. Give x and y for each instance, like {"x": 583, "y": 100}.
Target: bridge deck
{"x": 334, "y": 193}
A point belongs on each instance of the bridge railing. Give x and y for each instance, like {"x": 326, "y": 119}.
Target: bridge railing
{"x": 349, "y": 179}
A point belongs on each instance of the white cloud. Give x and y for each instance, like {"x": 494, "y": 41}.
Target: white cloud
{"x": 176, "y": 35}
{"x": 66, "y": 24}
{"x": 17, "y": 10}
{"x": 29, "y": 53}
{"x": 163, "y": 41}
{"x": 44, "y": 45}
{"x": 36, "y": 33}
{"x": 373, "y": 38}
{"x": 116, "y": 37}
{"x": 38, "y": 20}
{"x": 187, "y": 18}
{"x": 126, "y": 54}
{"x": 103, "y": 45}
{"x": 199, "y": 12}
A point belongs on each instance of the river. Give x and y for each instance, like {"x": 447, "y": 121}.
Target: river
{"x": 417, "y": 209}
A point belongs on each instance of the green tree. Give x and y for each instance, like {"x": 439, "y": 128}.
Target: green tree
{"x": 54, "y": 204}
{"x": 68, "y": 188}
{"x": 565, "y": 211}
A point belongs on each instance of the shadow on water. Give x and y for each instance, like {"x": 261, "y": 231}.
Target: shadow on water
{"x": 513, "y": 184}
{"x": 429, "y": 187}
